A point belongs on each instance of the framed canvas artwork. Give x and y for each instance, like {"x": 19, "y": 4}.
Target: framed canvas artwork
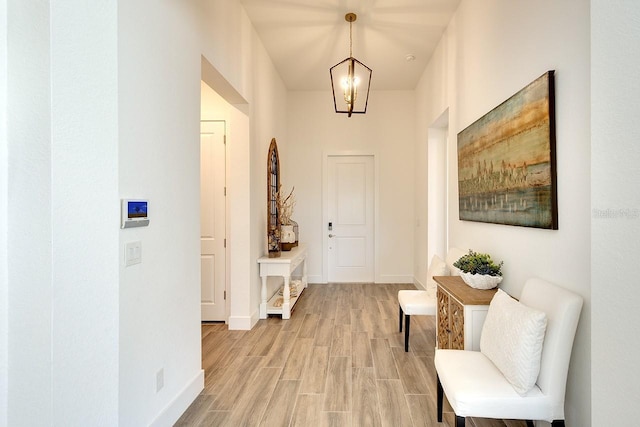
{"x": 506, "y": 161}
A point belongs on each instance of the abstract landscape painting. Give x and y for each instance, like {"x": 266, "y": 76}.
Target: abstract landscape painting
{"x": 506, "y": 161}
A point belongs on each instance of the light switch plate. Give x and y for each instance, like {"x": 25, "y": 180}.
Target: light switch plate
{"x": 133, "y": 253}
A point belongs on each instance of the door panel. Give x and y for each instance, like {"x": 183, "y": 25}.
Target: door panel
{"x": 351, "y": 213}
{"x": 212, "y": 221}
{"x": 351, "y": 187}
{"x": 208, "y": 269}
{"x": 351, "y": 251}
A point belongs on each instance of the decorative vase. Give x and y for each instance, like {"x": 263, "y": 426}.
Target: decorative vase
{"x": 274, "y": 242}
{"x": 287, "y": 237}
{"x": 480, "y": 281}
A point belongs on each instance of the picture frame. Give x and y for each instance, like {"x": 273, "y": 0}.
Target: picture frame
{"x": 507, "y": 161}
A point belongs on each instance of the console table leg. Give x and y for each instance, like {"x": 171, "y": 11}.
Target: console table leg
{"x": 304, "y": 273}
{"x": 263, "y": 298}
{"x": 286, "y": 296}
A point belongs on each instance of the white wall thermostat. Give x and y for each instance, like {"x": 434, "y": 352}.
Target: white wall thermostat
{"x": 134, "y": 213}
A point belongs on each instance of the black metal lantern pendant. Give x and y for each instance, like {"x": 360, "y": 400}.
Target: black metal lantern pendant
{"x": 350, "y": 80}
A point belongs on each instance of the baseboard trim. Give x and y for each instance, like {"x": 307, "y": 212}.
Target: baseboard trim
{"x": 243, "y": 323}
{"x": 180, "y": 403}
{"x": 395, "y": 279}
{"x": 314, "y": 279}
{"x": 385, "y": 280}
{"x": 254, "y": 318}
{"x": 418, "y": 284}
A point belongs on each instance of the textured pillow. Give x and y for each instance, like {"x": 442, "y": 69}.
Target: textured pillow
{"x": 454, "y": 255}
{"x": 436, "y": 268}
{"x": 512, "y": 338}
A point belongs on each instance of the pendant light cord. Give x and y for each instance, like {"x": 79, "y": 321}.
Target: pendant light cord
{"x": 350, "y": 39}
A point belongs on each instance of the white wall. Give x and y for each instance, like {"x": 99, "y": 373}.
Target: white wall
{"x": 29, "y": 232}
{"x": 225, "y": 41}
{"x": 104, "y": 103}
{"x": 268, "y": 120}
{"x": 615, "y": 201}
{"x": 437, "y": 192}
{"x": 388, "y": 130}
{"x": 160, "y": 52}
{"x": 217, "y": 94}
{"x": 159, "y": 160}
{"x": 432, "y": 111}
{"x": 238, "y": 174}
{"x": 232, "y": 46}
{"x": 84, "y": 208}
{"x": 489, "y": 52}
{"x": 4, "y": 167}
{"x": 62, "y": 204}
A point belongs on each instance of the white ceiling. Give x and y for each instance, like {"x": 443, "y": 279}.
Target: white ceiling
{"x": 304, "y": 38}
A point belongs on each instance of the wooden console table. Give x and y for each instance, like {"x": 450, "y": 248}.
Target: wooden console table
{"x": 282, "y": 266}
{"x": 460, "y": 314}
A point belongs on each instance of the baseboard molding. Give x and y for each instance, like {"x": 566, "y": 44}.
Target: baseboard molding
{"x": 418, "y": 284}
{"x": 180, "y": 403}
{"x": 254, "y": 318}
{"x": 382, "y": 280}
{"x": 395, "y": 279}
{"x": 241, "y": 323}
{"x": 315, "y": 279}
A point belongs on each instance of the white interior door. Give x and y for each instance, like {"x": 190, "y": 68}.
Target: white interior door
{"x": 212, "y": 220}
{"x": 350, "y": 230}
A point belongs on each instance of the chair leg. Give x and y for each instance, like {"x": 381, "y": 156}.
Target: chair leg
{"x": 407, "y": 322}
{"x": 459, "y": 421}
{"x": 440, "y": 396}
{"x": 557, "y": 423}
{"x": 400, "y": 326}
{"x": 530, "y": 423}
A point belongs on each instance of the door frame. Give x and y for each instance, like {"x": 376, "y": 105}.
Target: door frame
{"x": 325, "y": 207}
{"x": 227, "y": 229}
{"x": 437, "y": 219}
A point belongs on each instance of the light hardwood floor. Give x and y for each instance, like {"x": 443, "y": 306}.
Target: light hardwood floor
{"x": 339, "y": 361}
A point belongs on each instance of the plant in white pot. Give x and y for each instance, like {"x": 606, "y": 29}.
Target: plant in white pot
{"x": 479, "y": 270}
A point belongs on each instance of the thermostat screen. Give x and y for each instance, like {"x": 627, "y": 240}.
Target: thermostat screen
{"x": 137, "y": 209}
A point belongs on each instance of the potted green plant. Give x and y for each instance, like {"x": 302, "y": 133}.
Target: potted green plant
{"x": 479, "y": 270}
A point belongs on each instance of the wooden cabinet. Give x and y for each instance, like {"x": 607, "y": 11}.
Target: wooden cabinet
{"x": 450, "y": 316}
{"x": 460, "y": 314}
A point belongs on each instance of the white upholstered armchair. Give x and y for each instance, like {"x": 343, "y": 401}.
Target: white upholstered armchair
{"x": 521, "y": 370}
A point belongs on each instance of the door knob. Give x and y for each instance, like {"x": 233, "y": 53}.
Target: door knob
{"x": 330, "y": 235}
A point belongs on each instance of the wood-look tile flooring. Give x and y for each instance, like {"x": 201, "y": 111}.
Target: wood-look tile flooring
{"x": 339, "y": 361}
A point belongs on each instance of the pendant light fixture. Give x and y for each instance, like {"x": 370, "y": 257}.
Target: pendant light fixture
{"x": 350, "y": 80}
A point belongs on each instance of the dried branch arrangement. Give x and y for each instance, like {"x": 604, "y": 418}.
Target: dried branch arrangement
{"x": 285, "y": 206}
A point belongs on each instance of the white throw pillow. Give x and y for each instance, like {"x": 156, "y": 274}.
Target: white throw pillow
{"x": 454, "y": 255}
{"x": 436, "y": 268}
{"x": 512, "y": 338}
